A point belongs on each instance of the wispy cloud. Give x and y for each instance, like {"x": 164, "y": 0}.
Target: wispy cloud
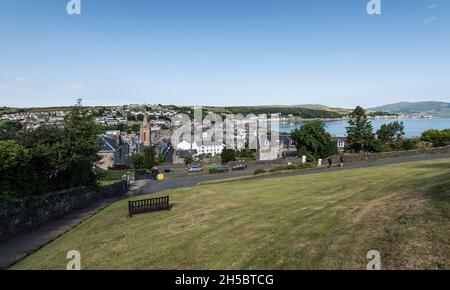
{"x": 431, "y": 19}
{"x": 433, "y": 6}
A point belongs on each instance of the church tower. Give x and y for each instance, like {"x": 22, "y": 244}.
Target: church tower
{"x": 146, "y": 133}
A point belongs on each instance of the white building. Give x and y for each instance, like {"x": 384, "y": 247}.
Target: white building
{"x": 203, "y": 149}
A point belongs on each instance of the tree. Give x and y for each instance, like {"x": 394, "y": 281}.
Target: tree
{"x": 360, "y": 135}
{"x": 436, "y": 136}
{"x": 161, "y": 159}
{"x": 137, "y": 160}
{"x": 188, "y": 160}
{"x": 313, "y": 140}
{"x": 391, "y": 132}
{"x": 59, "y": 158}
{"x": 9, "y": 129}
{"x": 11, "y": 126}
{"x": 228, "y": 155}
{"x": 81, "y": 146}
{"x": 149, "y": 160}
{"x": 14, "y": 167}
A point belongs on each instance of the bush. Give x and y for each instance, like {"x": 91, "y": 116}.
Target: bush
{"x": 382, "y": 148}
{"x": 305, "y": 165}
{"x": 259, "y": 171}
{"x": 409, "y": 144}
{"x": 213, "y": 171}
{"x": 137, "y": 160}
{"x": 228, "y": 155}
{"x": 436, "y": 136}
{"x": 423, "y": 145}
{"x": 141, "y": 171}
{"x": 278, "y": 168}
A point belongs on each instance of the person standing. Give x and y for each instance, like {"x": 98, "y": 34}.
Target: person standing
{"x": 341, "y": 161}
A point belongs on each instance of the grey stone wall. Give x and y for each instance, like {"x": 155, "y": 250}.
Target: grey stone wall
{"x": 29, "y": 212}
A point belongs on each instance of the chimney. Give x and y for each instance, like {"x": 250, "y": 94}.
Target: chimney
{"x": 118, "y": 139}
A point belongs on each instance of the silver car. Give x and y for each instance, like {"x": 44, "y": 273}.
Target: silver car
{"x": 195, "y": 169}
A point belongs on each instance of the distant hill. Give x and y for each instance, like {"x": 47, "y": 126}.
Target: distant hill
{"x": 341, "y": 111}
{"x": 437, "y": 109}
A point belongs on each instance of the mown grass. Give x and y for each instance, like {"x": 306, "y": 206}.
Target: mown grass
{"x": 322, "y": 221}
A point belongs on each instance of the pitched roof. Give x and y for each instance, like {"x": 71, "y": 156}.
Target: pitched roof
{"x": 109, "y": 145}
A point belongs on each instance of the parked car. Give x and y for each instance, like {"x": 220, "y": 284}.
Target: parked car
{"x": 239, "y": 166}
{"x": 195, "y": 169}
{"x": 154, "y": 173}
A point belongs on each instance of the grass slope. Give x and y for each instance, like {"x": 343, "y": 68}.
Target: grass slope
{"x": 323, "y": 221}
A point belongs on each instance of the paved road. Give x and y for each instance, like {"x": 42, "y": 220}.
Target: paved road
{"x": 179, "y": 182}
{"x": 24, "y": 244}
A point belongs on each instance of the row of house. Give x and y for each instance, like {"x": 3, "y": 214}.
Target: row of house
{"x": 285, "y": 148}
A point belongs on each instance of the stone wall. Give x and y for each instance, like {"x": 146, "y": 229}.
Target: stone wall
{"x": 349, "y": 158}
{"x": 29, "y": 212}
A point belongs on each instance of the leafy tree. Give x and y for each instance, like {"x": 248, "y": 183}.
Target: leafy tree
{"x": 10, "y": 129}
{"x": 246, "y": 153}
{"x": 62, "y": 158}
{"x": 360, "y": 135}
{"x": 391, "y": 132}
{"x": 131, "y": 117}
{"x": 161, "y": 159}
{"x": 188, "y": 159}
{"x": 81, "y": 145}
{"x": 58, "y": 158}
{"x": 313, "y": 140}
{"x": 436, "y": 136}
{"x": 149, "y": 160}
{"x": 14, "y": 164}
{"x": 11, "y": 126}
{"x": 228, "y": 155}
{"x": 137, "y": 160}
{"x": 409, "y": 144}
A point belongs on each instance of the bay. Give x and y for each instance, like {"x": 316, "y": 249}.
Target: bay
{"x": 413, "y": 127}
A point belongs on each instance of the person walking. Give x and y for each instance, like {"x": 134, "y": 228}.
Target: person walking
{"x": 330, "y": 162}
{"x": 341, "y": 161}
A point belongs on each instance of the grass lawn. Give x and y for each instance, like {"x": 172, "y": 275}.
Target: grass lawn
{"x": 112, "y": 176}
{"x": 323, "y": 221}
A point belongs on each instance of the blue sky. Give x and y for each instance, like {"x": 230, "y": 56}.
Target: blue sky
{"x": 224, "y": 52}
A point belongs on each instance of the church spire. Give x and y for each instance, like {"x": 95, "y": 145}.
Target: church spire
{"x": 145, "y": 121}
{"x": 146, "y": 134}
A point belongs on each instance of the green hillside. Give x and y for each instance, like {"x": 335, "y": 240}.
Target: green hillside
{"x": 438, "y": 109}
{"x": 322, "y": 221}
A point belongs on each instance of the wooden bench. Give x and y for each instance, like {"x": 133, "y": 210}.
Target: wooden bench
{"x": 148, "y": 205}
